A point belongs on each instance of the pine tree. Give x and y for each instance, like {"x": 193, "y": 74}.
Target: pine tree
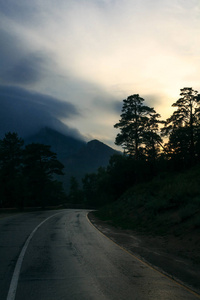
{"x": 138, "y": 126}
{"x": 184, "y": 119}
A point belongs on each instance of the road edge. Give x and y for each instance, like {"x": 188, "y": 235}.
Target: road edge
{"x": 146, "y": 263}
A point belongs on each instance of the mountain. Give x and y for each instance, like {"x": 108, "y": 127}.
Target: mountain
{"x": 61, "y": 144}
{"x": 78, "y": 157}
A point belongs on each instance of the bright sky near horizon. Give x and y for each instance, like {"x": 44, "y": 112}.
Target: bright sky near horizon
{"x": 75, "y": 61}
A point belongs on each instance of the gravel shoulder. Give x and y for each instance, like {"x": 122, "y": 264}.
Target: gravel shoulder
{"x": 177, "y": 257}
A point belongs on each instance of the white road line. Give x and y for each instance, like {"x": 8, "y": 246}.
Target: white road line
{"x": 16, "y": 273}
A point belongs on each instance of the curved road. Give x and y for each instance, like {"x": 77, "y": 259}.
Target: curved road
{"x": 65, "y": 257}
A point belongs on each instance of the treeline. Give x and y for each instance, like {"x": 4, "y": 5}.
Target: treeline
{"x": 151, "y": 146}
{"x": 27, "y": 174}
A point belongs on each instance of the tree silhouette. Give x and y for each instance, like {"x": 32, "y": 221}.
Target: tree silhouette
{"x": 89, "y": 182}
{"x": 182, "y": 126}
{"x": 27, "y": 174}
{"x": 151, "y": 139}
{"x": 138, "y": 126}
{"x": 11, "y": 151}
{"x": 75, "y": 196}
{"x": 40, "y": 164}
{"x": 10, "y": 168}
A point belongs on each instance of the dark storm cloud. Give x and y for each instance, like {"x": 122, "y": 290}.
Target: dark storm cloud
{"x": 26, "y": 112}
{"x": 18, "y": 10}
{"x": 11, "y": 49}
{"x": 26, "y": 71}
{"x": 18, "y": 64}
{"x": 107, "y": 103}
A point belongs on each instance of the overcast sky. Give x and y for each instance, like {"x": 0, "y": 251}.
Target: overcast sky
{"x": 72, "y": 62}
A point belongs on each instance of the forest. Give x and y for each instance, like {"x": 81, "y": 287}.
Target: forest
{"x": 157, "y": 178}
{"x": 27, "y": 174}
{"x": 145, "y": 155}
{"x": 159, "y": 169}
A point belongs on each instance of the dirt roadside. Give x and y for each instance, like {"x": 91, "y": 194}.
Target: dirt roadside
{"x": 7, "y": 214}
{"x": 174, "y": 256}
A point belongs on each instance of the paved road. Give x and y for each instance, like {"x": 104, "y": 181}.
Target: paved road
{"x": 67, "y": 258}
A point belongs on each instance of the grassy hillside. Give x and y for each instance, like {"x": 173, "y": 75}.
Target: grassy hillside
{"x": 169, "y": 204}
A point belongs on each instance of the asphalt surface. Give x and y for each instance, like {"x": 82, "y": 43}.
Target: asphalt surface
{"x": 67, "y": 258}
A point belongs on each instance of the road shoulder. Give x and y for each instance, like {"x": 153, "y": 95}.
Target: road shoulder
{"x": 167, "y": 254}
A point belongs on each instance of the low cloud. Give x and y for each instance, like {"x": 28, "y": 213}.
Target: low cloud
{"x": 26, "y": 71}
{"x": 107, "y": 103}
{"x": 27, "y": 112}
{"x": 20, "y": 65}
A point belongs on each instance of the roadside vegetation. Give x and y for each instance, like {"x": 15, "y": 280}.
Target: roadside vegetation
{"x": 168, "y": 204}
{"x": 154, "y": 186}
{"x": 27, "y": 174}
